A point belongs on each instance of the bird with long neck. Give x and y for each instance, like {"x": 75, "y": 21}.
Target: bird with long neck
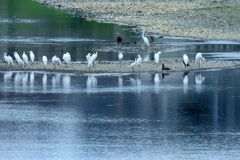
{"x": 145, "y": 39}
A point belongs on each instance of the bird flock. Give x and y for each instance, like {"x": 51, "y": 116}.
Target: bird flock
{"x": 91, "y": 58}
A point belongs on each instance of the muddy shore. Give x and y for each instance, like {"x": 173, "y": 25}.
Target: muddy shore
{"x": 201, "y": 19}
{"x": 114, "y": 67}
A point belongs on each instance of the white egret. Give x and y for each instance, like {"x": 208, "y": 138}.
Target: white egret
{"x": 6, "y": 58}
{"x": 88, "y": 57}
{"x": 94, "y": 57}
{"x": 25, "y": 58}
{"x": 18, "y": 59}
{"x": 145, "y": 39}
{"x": 133, "y": 64}
{"x": 66, "y": 58}
{"x": 185, "y": 60}
{"x": 56, "y": 60}
{"x": 32, "y": 56}
{"x": 199, "y": 58}
{"x": 44, "y": 60}
{"x": 157, "y": 57}
{"x": 120, "y": 57}
{"x": 139, "y": 60}
{"x": 10, "y": 60}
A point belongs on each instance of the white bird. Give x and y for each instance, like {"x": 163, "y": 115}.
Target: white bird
{"x": 25, "y": 58}
{"x": 44, "y": 60}
{"x": 156, "y": 57}
{"x": 94, "y": 57}
{"x": 199, "y": 58}
{"x": 185, "y": 60}
{"x": 91, "y": 60}
{"x": 88, "y": 57}
{"x": 66, "y": 58}
{"x": 139, "y": 60}
{"x": 6, "y": 58}
{"x": 10, "y": 60}
{"x": 120, "y": 57}
{"x": 133, "y": 64}
{"x": 32, "y": 56}
{"x": 145, "y": 39}
{"x": 18, "y": 59}
{"x": 56, "y": 60}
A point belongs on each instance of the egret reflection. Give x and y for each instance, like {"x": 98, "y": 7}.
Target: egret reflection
{"x": 17, "y": 79}
{"x": 66, "y": 81}
{"x": 7, "y": 77}
{"x": 44, "y": 81}
{"x": 32, "y": 77}
{"x": 120, "y": 81}
{"x": 199, "y": 79}
{"x": 24, "y": 80}
{"x": 185, "y": 82}
{"x": 91, "y": 82}
{"x": 156, "y": 80}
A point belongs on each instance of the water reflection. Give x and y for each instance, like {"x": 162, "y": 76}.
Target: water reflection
{"x": 44, "y": 81}
{"x": 199, "y": 79}
{"x": 185, "y": 82}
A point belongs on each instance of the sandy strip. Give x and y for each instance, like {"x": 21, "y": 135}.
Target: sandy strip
{"x": 114, "y": 67}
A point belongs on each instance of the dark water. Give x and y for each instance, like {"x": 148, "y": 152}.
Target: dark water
{"x": 120, "y": 116}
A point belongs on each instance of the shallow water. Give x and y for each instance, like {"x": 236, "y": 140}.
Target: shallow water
{"x": 120, "y": 116}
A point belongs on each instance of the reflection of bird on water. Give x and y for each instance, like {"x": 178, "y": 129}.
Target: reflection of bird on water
{"x": 91, "y": 82}
{"x": 164, "y": 74}
{"x": 185, "y": 78}
{"x": 44, "y": 80}
{"x": 66, "y": 81}
{"x": 156, "y": 79}
{"x": 199, "y": 79}
{"x": 185, "y": 60}
{"x": 120, "y": 81}
{"x": 7, "y": 76}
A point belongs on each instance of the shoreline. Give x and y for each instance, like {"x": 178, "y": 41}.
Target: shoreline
{"x": 114, "y": 67}
{"x": 213, "y": 19}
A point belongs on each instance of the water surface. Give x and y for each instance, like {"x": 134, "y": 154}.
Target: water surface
{"x": 120, "y": 116}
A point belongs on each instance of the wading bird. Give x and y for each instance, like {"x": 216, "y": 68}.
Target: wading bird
{"x": 25, "y": 58}
{"x": 157, "y": 57}
{"x": 32, "y": 56}
{"x": 120, "y": 57}
{"x": 56, "y": 60}
{"x": 145, "y": 39}
{"x": 18, "y": 59}
{"x": 88, "y": 57}
{"x": 139, "y": 60}
{"x": 66, "y": 58}
{"x": 199, "y": 58}
{"x": 6, "y": 58}
{"x": 133, "y": 64}
{"x": 44, "y": 60}
{"x": 94, "y": 57}
{"x": 185, "y": 60}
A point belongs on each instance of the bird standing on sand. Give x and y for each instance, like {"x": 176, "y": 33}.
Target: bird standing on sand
{"x": 94, "y": 57}
{"x": 10, "y": 60}
{"x": 88, "y": 57}
{"x": 25, "y": 58}
{"x": 44, "y": 60}
{"x": 120, "y": 57}
{"x": 185, "y": 60}
{"x": 199, "y": 58}
{"x": 133, "y": 64}
{"x": 145, "y": 39}
{"x": 32, "y": 56}
{"x": 56, "y": 60}
{"x": 18, "y": 59}
{"x": 157, "y": 57}
{"x": 66, "y": 58}
{"x": 6, "y": 58}
{"x": 139, "y": 60}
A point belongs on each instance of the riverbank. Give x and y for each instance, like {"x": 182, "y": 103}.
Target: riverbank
{"x": 204, "y": 19}
{"x": 114, "y": 67}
